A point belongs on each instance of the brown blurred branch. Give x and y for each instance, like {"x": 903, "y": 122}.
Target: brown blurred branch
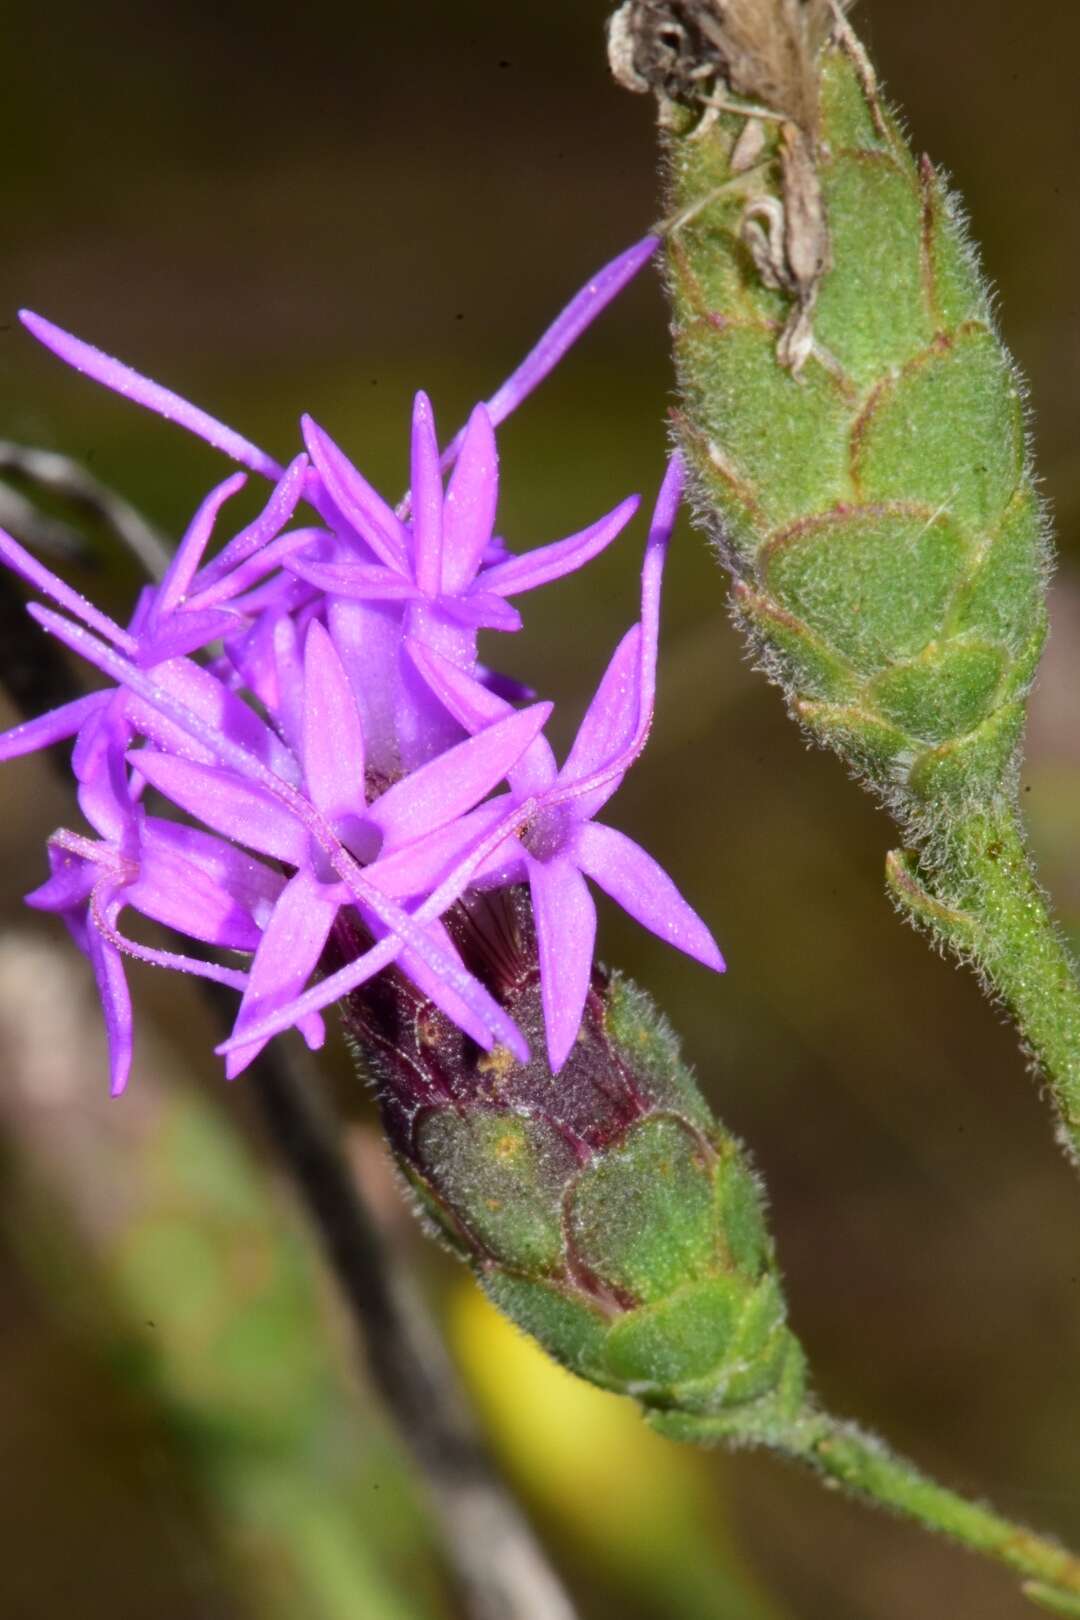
{"x": 60, "y": 475}
{"x": 499, "y": 1565}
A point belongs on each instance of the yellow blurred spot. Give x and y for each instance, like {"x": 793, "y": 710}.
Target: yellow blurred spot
{"x": 586, "y": 1453}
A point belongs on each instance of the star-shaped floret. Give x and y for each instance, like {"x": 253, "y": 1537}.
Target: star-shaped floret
{"x": 560, "y": 844}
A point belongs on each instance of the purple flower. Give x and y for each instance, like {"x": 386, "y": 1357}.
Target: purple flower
{"x": 560, "y": 844}
{"x": 543, "y": 830}
{"x": 435, "y": 580}
{"x": 311, "y": 699}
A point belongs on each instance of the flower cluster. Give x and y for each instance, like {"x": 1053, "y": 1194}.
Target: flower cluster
{"x": 300, "y": 726}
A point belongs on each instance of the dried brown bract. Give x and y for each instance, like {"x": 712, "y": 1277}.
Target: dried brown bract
{"x": 760, "y": 58}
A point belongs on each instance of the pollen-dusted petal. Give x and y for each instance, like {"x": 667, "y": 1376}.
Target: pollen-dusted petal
{"x": 189, "y": 553}
{"x": 427, "y": 498}
{"x": 231, "y": 805}
{"x": 545, "y": 563}
{"x": 565, "y": 934}
{"x": 448, "y": 786}
{"x": 440, "y": 993}
{"x": 333, "y": 741}
{"x": 642, "y": 887}
{"x": 128, "y": 383}
{"x": 358, "y": 503}
{"x": 287, "y": 956}
{"x": 284, "y": 499}
{"x": 56, "y": 726}
{"x": 471, "y": 498}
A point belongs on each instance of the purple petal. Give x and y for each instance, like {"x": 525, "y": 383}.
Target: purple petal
{"x": 565, "y": 934}
{"x": 368, "y": 641}
{"x": 505, "y": 686}
{"x": 184, "y": 632}
{"x": 235, "y": 807}
{"x": 19, "y": 560}
{"x": 642, "y": 887}
{"x": 288, "y": 707}
{"x": 226, "y": 718}
{"x": 417, "y": 867}
{"x": 116, "y": 1005}
{"x": 472, "y": 704}
{"x": 253, "y": 885}
{"x": 189, "y": 552}
{"x": 469, "y": 509}
{"x": 54, "y": 727}
{"x": 438, "y": 991}
{"x": 599, "y": 757}
{"x": 427, "y": 498}
{"x": 69, "y": 885}
{"x": 359, "y": 504}
{"x": 285, "y": 498}
{"x": 494, "y": 1019}
{"x": 248, "y": 573}
{"x": 365, "y": 582}
{"x": 546, "y": 563}
{"x": 287, "y": 956}
{"x": 482, "y": 610}
{"x": 122, "y": 380}
{"x": 475, "y": 706}
{"x": 333, "y": 742}
{"x": 652, "y": 574}
{"x": 202, "y": 886}
{"x": 452, "y": 784}
{"x": 563, "y": 333}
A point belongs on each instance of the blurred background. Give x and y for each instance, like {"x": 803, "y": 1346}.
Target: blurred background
{"x": 275, "y": 209}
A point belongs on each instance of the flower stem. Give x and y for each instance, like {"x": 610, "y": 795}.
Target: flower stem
{"x": 844, "y": 1455}
{"x": 972, "y": 887}
{"x": 866, "y": 1468}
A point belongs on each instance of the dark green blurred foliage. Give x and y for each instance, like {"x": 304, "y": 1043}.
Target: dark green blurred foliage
{"x": 324, "y": 209}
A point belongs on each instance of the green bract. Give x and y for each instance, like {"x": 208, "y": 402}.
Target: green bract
{"x": 604, "y": 1209}
{"x": 871, "y": 492}
{"x": 877, "y": 509}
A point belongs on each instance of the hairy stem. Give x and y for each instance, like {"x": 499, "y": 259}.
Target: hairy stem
{"x": 972, "y": 887}
{"x": 864, "y": 1466}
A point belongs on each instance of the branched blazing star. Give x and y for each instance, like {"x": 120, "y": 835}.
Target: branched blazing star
{"x": 313, "y": 697}
{"x": 373, "y": 818}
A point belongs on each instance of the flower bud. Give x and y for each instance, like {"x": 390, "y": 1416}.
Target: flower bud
{"x": 604, "y": 1210}
{"x": 874, "y": 502}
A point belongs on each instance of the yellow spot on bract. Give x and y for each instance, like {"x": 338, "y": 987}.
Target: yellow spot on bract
{"x": 508, "y": 1146}
{"x": 494, "y": 1204}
